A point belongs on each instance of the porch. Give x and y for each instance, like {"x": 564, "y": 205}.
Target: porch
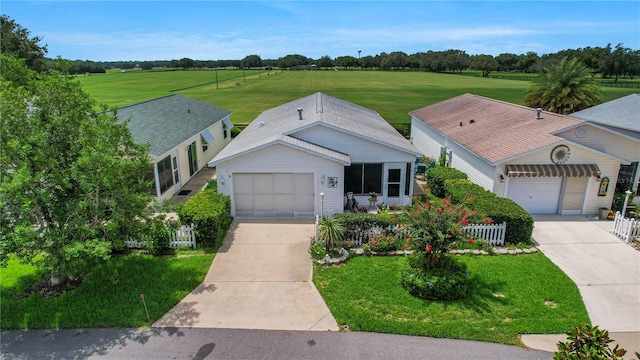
{"x": 195, "y": 184}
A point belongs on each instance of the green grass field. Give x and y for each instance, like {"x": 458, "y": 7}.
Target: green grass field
{"x": 392, "y": 94}
{"x": 511, "y": 295}
{"x": 109, "y": 296}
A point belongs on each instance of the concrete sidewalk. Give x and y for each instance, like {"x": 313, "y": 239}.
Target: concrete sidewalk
{"x": 605, "y": 269}
{"x": 260, "y": 279}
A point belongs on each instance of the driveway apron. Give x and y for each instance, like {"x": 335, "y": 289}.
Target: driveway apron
{"x": 606, "y": 270}
{"x": 260, "y": 279}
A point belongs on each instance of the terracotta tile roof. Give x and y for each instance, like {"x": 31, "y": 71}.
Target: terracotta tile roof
{"x": 493, "y": 129}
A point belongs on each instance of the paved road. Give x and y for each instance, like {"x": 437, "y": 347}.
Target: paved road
{"x": 201, "y": 343}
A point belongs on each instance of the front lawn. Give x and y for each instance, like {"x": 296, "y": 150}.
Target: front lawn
{"x": 109, "y": 296}
{"x": 523, "y": 294}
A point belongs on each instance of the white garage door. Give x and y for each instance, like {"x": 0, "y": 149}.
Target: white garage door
{"x": 536, "y": 195}
{"x": 273, "y": 194}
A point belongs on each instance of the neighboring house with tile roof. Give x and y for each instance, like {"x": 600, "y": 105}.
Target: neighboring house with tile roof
{"x": 183, "y": 135}
{"x": 621, "y": 116}
{"x": 546, "y": 162}
{"x": 302, "y": 158}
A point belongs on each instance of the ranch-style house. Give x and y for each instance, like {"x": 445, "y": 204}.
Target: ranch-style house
{"x": 184, "y": 134}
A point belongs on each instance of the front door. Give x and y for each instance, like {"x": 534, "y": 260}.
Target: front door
{"x": 176, "y": 171}
{"x": 192, "y": 154}
{"x": 393, "y": 184}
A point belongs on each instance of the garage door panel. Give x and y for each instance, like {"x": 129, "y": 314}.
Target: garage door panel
{"x": 283, "y": 183}
{"x": 536, "y": 195}
{"x": 304, "y": 199}
{"x": 284, "y": 205}
{"x": 243, "y": 183}
{"x": 274, "y": 194}
{"x": 263, "y": 183}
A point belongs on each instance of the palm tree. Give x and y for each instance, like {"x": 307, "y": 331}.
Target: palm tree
{"x": 564, "y": 88}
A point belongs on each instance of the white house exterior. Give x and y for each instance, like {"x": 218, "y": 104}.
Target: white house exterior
{"x": 301, "y": 158}
{"x": 547, "y": 163}
{"x": 183, "y": 134}
{"x": 622, "y": 118}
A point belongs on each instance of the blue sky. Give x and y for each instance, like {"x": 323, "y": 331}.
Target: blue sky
{"x": 212, "y": 30}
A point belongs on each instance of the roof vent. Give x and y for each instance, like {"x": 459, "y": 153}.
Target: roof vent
{"x": 261, "y": 124}
{"x": 538, "y": 111}
{"x": 299, "y": 113}
{"x": 471, "y": 121}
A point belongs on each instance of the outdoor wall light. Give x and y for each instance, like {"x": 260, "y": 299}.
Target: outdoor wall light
{"x": 222, "y": 179}
{"x": 322, "y": 179}
{"x": 501, "y": 178}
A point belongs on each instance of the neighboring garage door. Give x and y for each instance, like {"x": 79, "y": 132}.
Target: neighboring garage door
{"x": 273, "y": 194}
{"x": 536, "y": 195}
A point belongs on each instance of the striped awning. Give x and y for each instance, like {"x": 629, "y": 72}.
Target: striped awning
{"x": 548, "y": 170}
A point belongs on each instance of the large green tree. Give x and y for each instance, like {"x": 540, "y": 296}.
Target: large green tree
{"x": 486, "y": 63}
{"x": 17, "y": 41}
{"x": 564, "y": 88}
{"x": 72, "y": 181}
{"x": 252, "y": 61}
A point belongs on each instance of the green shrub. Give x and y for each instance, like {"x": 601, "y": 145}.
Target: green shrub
{"x": 499, "y": 210}
{"x": 209, "y": 212}
{"x": 587, "y": 342}
{"x": 212, "y": 185}
{"x": 438, "y": 175}
{"x": 449, "y": 281}
{"x": 519, "y": 222}
{"x": 158, "y": 231}
{"x": 464, "y": 191}
{"x": 355, "y": 224}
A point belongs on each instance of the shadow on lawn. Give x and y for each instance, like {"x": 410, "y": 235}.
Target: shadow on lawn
{"x": 483, "y": 296}
{"x": 110, "y": 295}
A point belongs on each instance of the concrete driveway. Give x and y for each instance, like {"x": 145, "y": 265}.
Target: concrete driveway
{"x": 606, "y": 270}
{"x": 260, "y": 279}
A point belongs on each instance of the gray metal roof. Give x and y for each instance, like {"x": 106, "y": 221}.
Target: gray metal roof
{"x": 280, "y": 124}
{"x": 622, "y": 113}
{"x": 166, "y": 122}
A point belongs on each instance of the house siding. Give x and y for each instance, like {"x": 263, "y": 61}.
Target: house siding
{"x": 359, "y": 150}
{"x": 203, "y": 157}
{"x": 606, "y": 142}
{"x": 429, "y": 142}
{"x": 283, "y": 159}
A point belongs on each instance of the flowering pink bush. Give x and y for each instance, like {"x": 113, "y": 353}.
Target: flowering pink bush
{"x": 436, "y": 228}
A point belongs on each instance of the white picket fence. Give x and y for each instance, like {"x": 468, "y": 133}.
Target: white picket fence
{"x": 625, "y": 228}
{"x": 182, "y": 237}
{"x": 493, "y": 234}
{"x": 363, "y": 236}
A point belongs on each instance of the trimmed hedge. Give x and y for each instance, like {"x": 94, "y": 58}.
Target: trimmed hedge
{"x": 519, "y": 222}
{"x": 437, "y": 176}
{"x": 209, "y": 212}
{"x": 475, "y": 197}
{"x": 464, "y": 191}
{"x": 356, "y": 223}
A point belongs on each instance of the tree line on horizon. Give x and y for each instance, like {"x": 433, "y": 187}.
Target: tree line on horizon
{"x": 608, "y": 61}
